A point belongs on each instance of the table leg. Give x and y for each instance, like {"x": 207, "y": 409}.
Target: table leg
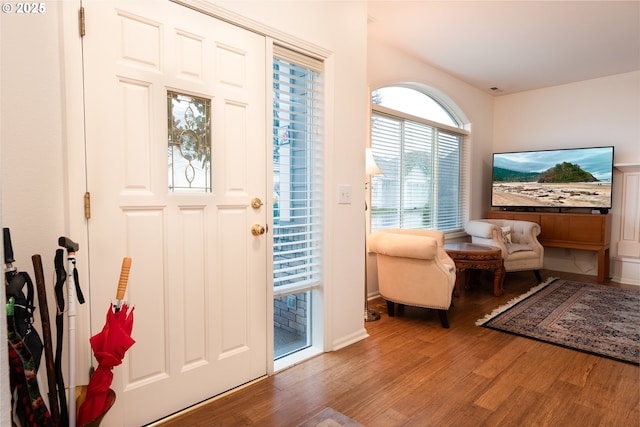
{"x": 498, "y": 280}
{"x": 603, "y": 265}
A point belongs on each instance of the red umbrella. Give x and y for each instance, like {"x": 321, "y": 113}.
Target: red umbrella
{"x": 109, "y": 347}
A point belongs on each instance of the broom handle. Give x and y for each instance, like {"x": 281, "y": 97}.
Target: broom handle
{"x": 124, "y": 278}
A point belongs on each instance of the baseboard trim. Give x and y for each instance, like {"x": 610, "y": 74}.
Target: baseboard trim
{"x": 349, "y": 339}
{"x": 626, "y": 270}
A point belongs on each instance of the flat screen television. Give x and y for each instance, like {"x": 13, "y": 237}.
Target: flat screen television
{"x": 563, "y": 179}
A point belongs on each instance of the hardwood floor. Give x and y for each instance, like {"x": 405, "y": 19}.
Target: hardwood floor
{"x": 412, "y": 372}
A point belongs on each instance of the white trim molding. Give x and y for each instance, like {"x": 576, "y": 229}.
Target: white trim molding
{"x": 283, "y": 38}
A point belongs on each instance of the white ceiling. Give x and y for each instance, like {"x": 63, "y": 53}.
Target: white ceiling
{"x": 514, "y": 45}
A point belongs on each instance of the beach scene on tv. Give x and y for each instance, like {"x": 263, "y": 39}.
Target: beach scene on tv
{"x": 555, "y": 178}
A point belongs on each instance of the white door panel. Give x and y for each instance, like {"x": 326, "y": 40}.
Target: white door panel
{"x": 198, "y": 275}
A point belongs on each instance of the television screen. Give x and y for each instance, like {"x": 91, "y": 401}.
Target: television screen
{"x": 566, "y": 178}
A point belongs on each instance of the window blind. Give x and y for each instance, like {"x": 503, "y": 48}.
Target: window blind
{"x": 298, "y": 171}
{"x": 424, "y": 182}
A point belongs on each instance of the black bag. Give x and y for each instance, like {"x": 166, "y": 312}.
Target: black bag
{"x": 23, "y": 313}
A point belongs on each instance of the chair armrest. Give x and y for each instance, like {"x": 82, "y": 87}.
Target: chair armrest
{"x": 482, "y": 229}
{"x": 486, "y": 232}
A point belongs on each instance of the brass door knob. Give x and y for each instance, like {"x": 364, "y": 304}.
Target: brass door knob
{"x": 257, "y": 230}
{"x": 256, "y": 203}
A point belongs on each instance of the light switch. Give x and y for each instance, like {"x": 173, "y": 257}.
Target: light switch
{"x": 344, "y": 194}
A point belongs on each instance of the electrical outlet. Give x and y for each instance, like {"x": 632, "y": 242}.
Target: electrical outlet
{"x": 344, "y": 194}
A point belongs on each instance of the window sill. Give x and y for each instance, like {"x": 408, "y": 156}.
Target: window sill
{"x": 295, "y": 358}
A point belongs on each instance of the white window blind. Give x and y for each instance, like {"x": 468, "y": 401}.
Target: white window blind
{"x": 424, "y": 181}
{"x": 298, "y": 171}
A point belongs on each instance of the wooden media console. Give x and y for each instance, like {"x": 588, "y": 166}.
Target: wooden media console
{"x": 570, "y": 230}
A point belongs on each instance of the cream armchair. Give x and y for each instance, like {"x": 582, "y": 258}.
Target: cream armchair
{"x": 517, "y": 239}
{"x": 414, "y": 269}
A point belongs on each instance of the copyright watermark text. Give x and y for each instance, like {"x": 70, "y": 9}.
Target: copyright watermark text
{"x": 24, "y": 8}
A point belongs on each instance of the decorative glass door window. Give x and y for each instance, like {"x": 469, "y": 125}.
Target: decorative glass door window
{"x": 189, "y": 135}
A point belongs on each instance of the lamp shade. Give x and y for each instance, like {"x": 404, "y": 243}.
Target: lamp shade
{"x": 371, "y": 167}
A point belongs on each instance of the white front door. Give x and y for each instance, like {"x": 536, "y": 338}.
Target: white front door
{"x": 198, "y": 277}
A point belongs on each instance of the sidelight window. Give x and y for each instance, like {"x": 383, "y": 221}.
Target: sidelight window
{"x": 298, "y": 197}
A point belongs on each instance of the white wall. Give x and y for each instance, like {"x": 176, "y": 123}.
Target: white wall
{"x": 32, "y": 141}
{"x": 599, "y": 112}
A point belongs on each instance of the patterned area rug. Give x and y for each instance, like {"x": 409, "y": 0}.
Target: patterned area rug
{"x": 595, "y": 319}
{"x": 329, "y": 417}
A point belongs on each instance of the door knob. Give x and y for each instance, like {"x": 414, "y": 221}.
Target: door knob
{"x": 257, "y": 230}
{"x": 256, "y": 203}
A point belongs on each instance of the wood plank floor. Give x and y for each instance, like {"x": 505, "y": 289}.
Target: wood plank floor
{"x": 412, "y": 372}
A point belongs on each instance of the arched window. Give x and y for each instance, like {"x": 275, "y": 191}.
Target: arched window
{"x": 415, "y": 103}
{"x": 422, "y": 150}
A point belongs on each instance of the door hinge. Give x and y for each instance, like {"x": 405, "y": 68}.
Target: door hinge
{"x": 87, "y": 205}
{"x": 82, "y": 24}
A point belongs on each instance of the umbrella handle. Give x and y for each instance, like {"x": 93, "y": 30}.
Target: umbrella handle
{"x": 124, "y": 278}
{"x": 8, "y": 248}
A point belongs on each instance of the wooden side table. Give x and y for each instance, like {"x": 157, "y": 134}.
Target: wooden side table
{"x": 480, "y": 257}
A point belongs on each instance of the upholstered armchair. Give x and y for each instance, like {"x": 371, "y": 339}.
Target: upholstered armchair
{"x": 517, "y": 239}
{"x": 414, "y": 269}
